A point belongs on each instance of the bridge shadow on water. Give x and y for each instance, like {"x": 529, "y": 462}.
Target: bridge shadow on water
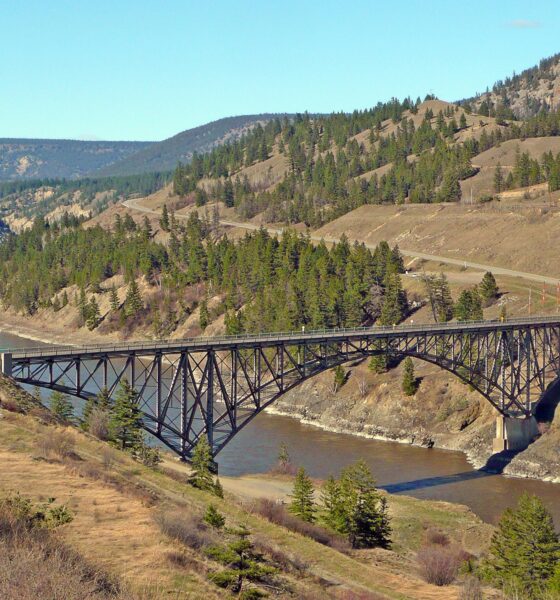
{"x": 494, "y": 466}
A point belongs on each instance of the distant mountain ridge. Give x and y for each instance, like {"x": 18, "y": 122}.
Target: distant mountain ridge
{"x": 72, "y": 159}
{"x": 164, "y": 155}
{"x": 42, "y": 158}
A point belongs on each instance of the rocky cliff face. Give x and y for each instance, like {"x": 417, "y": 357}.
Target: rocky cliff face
{"x": 444, "y": 413}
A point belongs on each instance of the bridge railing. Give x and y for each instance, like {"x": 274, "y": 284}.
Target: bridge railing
{"x": 296, "y": 336}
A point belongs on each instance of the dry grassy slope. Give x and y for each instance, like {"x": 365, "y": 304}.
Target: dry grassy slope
{"x": 114, "y": 527}
{"x": 524, "y": 240}
{"x": 483, "y": 182}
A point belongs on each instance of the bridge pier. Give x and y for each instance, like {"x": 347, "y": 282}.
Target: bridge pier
{"x": 6, "y": 363}
{"x": 513, "y": 433}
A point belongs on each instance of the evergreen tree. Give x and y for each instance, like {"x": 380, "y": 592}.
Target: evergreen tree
{"x": 366, "y": 517}
{"x": 201, "y": 465}
{"x": 488, "y": 289}
{"x": 334, "y": 514}
{"x": 93, "y": 316}
{"x": 164, "y": 221}
{"x": 61, "y": 406}
{"x": 525, "y": 549}
{"x": 204, "y": 317}
{"x": 394, "y": 303}
{"x": 499, "y": 182}
{"x": 114, "y": 299}
{"x": 303, "y": 503}
{"x": 133, "y": 302}
{"x": 409, "y": 382}
{"x": 378, "y": 363}
{"x": 214, "y": 518}
{"x": 468, "y": 306}
{"x": 339, "y": 377}
{"x": 241, "y": 562}
{"x": 125, "y": 422}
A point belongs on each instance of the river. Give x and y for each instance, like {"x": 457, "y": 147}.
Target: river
{"x": 401, "y": 469}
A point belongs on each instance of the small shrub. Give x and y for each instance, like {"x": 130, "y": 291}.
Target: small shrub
{"x": 149, "y": 457}
{"x": 10, "y": 406}
{"x": 58, "y": 443}
{"x": 98, "y": 424}
{"x": 107, "y": 458}
{"x": 186, "y": 528}
{"x": 277, "y": 513}
{"x": 471, "y": 590}
{"x": 436, "y": 537}
{"x": 438, "y": 565}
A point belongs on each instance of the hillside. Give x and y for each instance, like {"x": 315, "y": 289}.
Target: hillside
{"x": 151, "y": 542}
{"x": 37, "y": 159}
{"x": 164, "y": 156}
{"x": 524, "y": 94}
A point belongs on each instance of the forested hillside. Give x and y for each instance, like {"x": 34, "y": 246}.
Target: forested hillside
{"x": 24, "y": 200}
{"x": 262, "y": 283}
{"x": 164, "y": 156}
{"x": 409, "y": 152}
{"x": 524, "y": 94}
{"x": 26, "y": 159}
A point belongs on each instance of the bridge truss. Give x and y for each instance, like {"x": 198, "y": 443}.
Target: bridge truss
{"x": 214, "y": 387}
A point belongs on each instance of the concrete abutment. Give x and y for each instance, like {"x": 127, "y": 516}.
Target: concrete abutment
{"x": 514, "y": 433}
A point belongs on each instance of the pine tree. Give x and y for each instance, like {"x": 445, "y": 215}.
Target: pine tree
{"x": 214, "y": 518}
{"x": 125, "y": 422}
{"x": 93, "y": 316}
{"x": 525, "y": 548}
{"x": 488, "y": 289}
{"x": 339, "y": 377}
{"x": 468, "y": 306}
{"x": 409, "y": 383}
{"x": 164, "y": 221}
{"x": 378, "y": 363}
{"x": 114, "y": 299}
{"x": 61, "y": 406}
{"x": 201, "y": 464}
{"x": 204, "y": 317}
{"x": 394, "y": 303}
{"x": 334, "y": 515}
{"x": 366, "y": 517}
{"x": 303, "y": 503}
{"x": 133, "y": 302}
{"x": 498, "y": 179}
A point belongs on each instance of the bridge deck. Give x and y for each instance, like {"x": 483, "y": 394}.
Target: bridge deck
{"x": 271, "y": 339}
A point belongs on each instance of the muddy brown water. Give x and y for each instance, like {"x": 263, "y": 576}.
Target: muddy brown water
{"x": 432, "y": 474}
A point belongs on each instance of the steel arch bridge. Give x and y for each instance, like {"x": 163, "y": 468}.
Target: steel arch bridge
{"x": 213, "y": 387}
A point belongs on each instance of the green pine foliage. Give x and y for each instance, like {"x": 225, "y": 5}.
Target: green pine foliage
{"x": 339, "y": 377}
{"x": 242, "y": 564}
{"x": 488, "y": 289}
{"x": 409, "y": 381}
{"x": 268, "y": 283}
{"x": 213, "y": 517}
{"x": 61, "y": 406}
{"x": 125, "y": 422}
{"x": 353, "y": 506}
{"x": 525, "y": 549}
{"x": 302, "y": 498}
{"x": 469, "y": 306}
{"x": 201, "y": 465}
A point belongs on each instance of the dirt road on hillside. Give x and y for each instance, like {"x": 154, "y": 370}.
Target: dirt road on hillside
{"x": 134, "y": 204}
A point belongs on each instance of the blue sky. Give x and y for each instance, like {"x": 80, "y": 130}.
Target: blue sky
{"x": 145, "y": 70}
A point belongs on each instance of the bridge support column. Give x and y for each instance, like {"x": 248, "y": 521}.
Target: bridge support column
{"x": 6, "y": 363}
{"x": 514, "y": 433}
